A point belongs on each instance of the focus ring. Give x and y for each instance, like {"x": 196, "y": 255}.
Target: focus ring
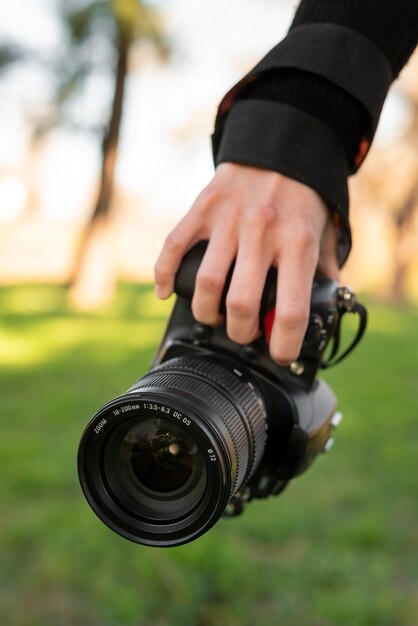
{"x": 237, "y": 406}
{"x": 246, "y": 400}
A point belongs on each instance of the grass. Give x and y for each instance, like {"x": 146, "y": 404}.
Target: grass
{"x": 338, "y": 548}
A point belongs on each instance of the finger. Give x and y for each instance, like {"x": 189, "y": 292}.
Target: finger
{"x": 245, "y": 291}
{"x": 294, "y": 286}
{"x": 210, "y": 278}
{"x": 178, "y": 242}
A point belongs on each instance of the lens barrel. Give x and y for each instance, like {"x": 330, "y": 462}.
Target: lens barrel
{"x": 159, "y": 464}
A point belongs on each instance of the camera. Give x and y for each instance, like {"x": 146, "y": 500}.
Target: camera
{"x": 213, "y": 424}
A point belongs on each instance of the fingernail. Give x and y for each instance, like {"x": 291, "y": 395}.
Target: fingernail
{"x": 161, "y": 292}
{"x": 283, "y": 363}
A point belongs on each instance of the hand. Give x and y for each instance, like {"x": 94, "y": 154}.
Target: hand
{"x": 261, "y": 218}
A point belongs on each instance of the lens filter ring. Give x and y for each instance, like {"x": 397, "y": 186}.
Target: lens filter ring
{"x": 134, "y": 507}
{"x": 160, "y": 463}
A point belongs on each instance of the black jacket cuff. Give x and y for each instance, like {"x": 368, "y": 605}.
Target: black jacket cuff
{"x": 337, "y": 54}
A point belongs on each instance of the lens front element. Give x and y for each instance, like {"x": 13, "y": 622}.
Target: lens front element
{"x": 154, "y": 467}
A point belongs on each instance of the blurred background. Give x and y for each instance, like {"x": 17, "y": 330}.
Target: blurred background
{"x": 106, "y": 108}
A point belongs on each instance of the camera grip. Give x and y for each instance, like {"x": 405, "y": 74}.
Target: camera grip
{"x": 323, "y": 292}
{"x": 186, "y": 275}
{"x": 186, "y": 278}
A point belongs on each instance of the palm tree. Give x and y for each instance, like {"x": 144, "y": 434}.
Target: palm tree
{"x": 125, "y": 23}
{"x": 113, "y": 27}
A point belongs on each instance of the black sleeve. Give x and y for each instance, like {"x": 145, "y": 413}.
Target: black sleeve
{"x": 310, "y": 108}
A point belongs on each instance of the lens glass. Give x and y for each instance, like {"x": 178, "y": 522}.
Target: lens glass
{"x": 154, "y": 468}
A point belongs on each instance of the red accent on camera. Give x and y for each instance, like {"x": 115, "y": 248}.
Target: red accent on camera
{"x": 268, "y": 323}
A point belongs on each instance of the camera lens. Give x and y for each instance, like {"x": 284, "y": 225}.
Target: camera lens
{"x": 152, "y": 466}
{"x": 159, "y": 464}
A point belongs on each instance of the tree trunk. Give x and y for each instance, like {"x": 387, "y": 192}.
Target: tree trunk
{"x": 403, "y": 221}
{"x": 96, "y": 225}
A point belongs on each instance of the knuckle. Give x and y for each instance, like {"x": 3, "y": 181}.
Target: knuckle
{"x": 240, "y": 306}
{"x": 293, "y": 316}
{"x": 209, "y": 195}
{"x": 266, "y": 214}
{"x": 305, "y": 238}
{"x": 209, "y": 282}
{"x": 261, "y": 219}
{"x": 174, "y": 243}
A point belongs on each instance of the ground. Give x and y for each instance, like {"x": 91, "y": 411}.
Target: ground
{"x": 337, "y": 548}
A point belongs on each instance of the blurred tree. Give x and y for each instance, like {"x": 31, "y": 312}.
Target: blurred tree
{"x": 405, "y": 213}
{"x": 388, "y": 185}
{"x": 120, "y": 23}
{"x": 100, "y": 36}
{"x": 385, "y": 206}
{"x": 123, "y": 22}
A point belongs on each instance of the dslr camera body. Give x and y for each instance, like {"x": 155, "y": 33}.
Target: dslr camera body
{"x": 213, "y": 424}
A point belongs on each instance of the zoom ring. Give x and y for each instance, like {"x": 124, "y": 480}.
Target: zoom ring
{"x": 246, "y": 401}
{"x": 237, "y": 406}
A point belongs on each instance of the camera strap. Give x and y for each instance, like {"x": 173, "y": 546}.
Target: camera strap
{"x": 346, "y": 304}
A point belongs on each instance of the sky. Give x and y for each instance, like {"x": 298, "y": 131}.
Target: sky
{"x": 211, "y": 43}
{"x": 165, "y": 154}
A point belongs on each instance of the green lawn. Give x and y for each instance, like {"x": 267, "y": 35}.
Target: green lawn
{"x": 339, "y": 547}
